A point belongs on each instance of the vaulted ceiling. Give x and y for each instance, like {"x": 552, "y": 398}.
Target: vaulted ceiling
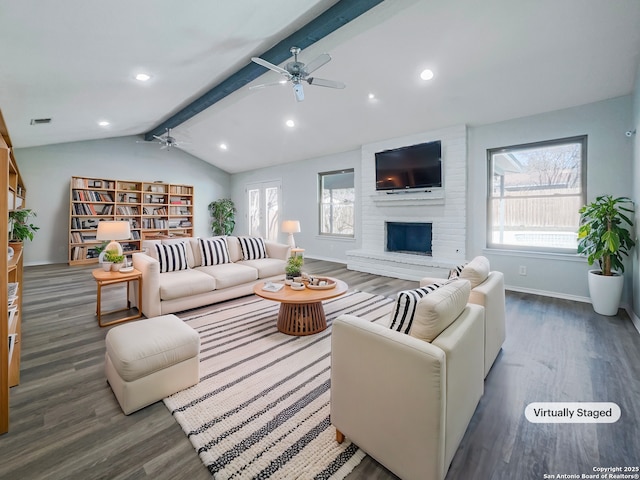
{"x": 75, "y": 62}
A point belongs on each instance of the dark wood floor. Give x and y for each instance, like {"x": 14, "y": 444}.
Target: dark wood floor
{"x": 66, "y": 423}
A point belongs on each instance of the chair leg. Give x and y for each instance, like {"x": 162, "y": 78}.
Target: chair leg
{"x": 339, "y": 436}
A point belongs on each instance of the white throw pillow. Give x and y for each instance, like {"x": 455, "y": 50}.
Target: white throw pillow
{"x": 405, "y": 309}
{"x": 436, "y": 311}
{"x": 214, "y": 251}
{"x": 476, "y": 271}
{"x": 253, "y": 248}
{"x": 172, "y": 257}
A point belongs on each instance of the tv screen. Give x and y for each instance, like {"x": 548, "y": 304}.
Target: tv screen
{"x": 415, "y": 166}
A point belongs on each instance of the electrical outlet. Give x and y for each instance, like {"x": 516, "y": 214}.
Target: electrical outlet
{"x": 522, "y": 270}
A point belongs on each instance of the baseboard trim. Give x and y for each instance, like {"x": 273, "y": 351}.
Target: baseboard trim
{"x": 546, "y": 293}
{"x": 634, "y": 319}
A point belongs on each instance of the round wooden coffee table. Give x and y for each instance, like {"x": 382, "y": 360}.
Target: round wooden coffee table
{"x": 301, "y": 311}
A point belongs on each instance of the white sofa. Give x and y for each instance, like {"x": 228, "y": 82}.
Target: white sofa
{"x": 198, "y": 285}
{"x": 403, "y": 399}
{"x": 487, "y": 289}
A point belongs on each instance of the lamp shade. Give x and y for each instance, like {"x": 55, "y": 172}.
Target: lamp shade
{"x": 291, "y": 226}
{"x": 113, "y": 230}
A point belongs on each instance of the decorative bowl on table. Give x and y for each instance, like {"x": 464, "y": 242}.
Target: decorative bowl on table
{"x": 321, "y": 283}
{"x": 297, "y": 286}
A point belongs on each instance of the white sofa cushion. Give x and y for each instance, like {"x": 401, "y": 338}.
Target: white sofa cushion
{"x": 185, "y": 283}
{"x": 436, "y": 311}
{"x": 172, "y": 257}
{"x": 405, "y": 308}
{"x": 213, "y": 251}
{"x": 252, "y": 248}
{"x": 476, "y": 271}
{"x": 230, "y": 274}
{"x": 266, "y": 267}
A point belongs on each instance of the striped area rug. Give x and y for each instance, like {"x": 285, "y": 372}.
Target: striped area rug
{"x": 261, "y": 409}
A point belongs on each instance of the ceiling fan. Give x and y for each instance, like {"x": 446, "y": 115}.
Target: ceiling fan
{"x": 167, "y": 141}
{"x": 297, "y": 72}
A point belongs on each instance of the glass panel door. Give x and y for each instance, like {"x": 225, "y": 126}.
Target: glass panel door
{"x": 264, "y": 209}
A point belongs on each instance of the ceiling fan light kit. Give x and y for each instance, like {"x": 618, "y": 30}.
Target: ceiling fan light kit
{"x": 297, "y": 72}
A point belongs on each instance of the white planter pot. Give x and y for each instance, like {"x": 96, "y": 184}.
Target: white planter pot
{"x": 106, "y": 266}
{"x": 605, "y": 292}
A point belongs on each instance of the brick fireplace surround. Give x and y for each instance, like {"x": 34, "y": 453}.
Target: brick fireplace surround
{"x": 444, "y": 207}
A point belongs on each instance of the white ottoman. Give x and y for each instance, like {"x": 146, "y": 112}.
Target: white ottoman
{"x": 151, "y": 359}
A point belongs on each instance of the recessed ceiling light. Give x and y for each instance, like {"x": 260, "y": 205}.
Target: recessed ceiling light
{"x": 143, "y": 77}
{"x": 103, "y": 123}
{"x": 290, "y": 123}
{"x": 223, "y": 146}
{"x": 426, "y": 74}
{"x": 372, "y": 96}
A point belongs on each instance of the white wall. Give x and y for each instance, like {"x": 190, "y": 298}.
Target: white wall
{"x": 47, "y": 171}
{"x": 609, "y": 165}
{"x": 300, "y": 201}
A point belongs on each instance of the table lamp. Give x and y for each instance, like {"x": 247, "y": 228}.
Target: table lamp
{"x": 291, "y": 227}
{"x": 113, "y": 230}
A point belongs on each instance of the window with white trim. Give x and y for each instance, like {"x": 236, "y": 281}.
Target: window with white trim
{"x": 337, "y": 203}
{"x": 535, "y": 193}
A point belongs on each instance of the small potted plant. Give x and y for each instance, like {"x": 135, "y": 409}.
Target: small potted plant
{"x": 20, "y": 229}
{"x": 293, "y": 268}
{"x": 604, "y": 236}
{"x": 113, "y": 259}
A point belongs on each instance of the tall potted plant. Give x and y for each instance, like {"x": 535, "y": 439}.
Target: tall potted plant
{"x": 223, "y": 214}
{"x": 604, "y": 236}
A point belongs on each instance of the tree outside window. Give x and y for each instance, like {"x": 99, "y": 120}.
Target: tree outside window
{"x": 337, "y": 203}
{"x": 535, "y": 193}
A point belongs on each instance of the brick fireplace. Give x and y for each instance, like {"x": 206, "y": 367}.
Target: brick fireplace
{"x": 443, "y": 208}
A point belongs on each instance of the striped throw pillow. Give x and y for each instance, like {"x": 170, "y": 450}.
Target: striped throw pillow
{"x": 172, "y": 257}
{"x": 456, "y": 271}
{"x": 252, "y": 248}
{"x": 405, "y": 309}
{"x": 214, "y": 251}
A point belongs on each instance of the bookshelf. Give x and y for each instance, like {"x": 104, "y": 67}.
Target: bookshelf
{"x": 11, "y": 271}
{"x": 153, "y": 209}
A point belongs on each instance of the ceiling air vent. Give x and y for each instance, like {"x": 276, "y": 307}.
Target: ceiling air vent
{"x": 40, "y": 121}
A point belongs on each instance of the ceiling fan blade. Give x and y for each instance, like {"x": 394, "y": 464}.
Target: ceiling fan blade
{"x": 263, "y": 85}
{"x": 270, "y": 66}
{"x": 321, "y": 82}
{"x": 316, "y": 63}
{"x": 160, "y": 139}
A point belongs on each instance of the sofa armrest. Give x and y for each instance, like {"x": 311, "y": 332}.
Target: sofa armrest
{"x": 386, "y": 386}
{"x": 490, "y": 294}
{"x": 463, "y": 345}
{"x": 277, "y": 250}
{"x": 150, "y": 269}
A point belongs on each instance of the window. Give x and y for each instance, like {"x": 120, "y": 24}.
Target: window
{"x": 337, "y": 203}
{"x": 535, "y": 192}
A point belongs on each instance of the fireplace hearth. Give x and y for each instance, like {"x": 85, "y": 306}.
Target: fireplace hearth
{"x": 409, "y": 237}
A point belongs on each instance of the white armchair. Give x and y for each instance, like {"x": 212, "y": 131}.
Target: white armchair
{"x": 403, "y": 400}
{"x": 487, "y": 289}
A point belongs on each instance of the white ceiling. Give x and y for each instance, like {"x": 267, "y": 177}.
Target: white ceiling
{"x": 74, "y": 61}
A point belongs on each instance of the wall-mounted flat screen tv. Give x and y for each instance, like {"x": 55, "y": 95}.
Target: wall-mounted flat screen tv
{"x": 415, "y": 166}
